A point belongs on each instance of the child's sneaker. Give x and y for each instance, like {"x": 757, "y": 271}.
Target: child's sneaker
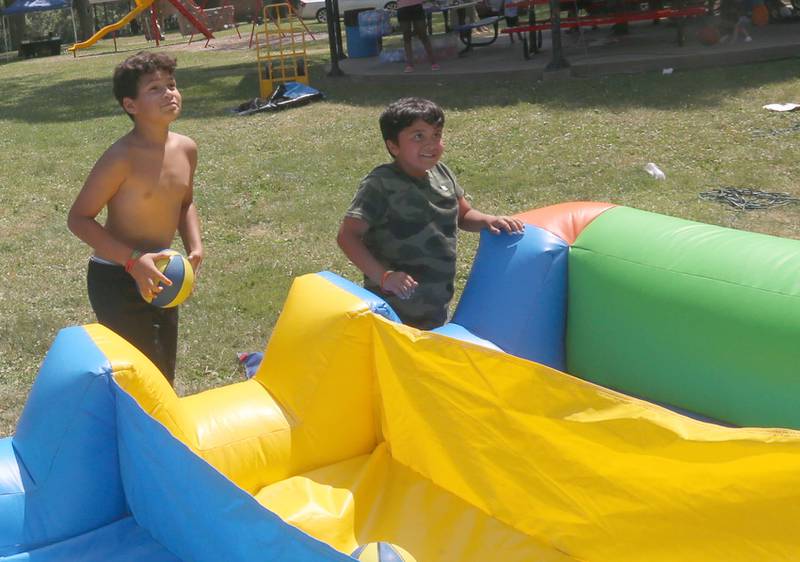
{"x": 435, "y": 67}
{"x": 408, "y": 68}
{"x": 748, "y": 39}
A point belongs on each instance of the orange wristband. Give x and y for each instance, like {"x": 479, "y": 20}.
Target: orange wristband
{"x": 385, "y": 276}
{"x": 135, "y": 255}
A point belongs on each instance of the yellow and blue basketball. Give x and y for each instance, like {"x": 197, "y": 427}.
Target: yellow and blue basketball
{"x": 381, "y": 552}
{"x": 178, "y": 270}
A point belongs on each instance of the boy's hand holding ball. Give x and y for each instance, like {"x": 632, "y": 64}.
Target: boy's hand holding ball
{"x": 156, "y": 271}
{"x": 195, "y": 258}
{"x": 143, "y": 269}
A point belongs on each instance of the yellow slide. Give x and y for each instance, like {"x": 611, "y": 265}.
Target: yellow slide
{"x": 141, "y": 6}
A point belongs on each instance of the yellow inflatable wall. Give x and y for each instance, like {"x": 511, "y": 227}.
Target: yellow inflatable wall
{"x": 357, "y": 429}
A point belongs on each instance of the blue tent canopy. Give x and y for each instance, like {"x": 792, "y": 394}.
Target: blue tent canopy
{"x": 25, "y": 6}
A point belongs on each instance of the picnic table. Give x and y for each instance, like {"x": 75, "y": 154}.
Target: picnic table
{"x": 445, "y": 8}
{"x": 531, "y": 34}
{"x": 465, "y": 23}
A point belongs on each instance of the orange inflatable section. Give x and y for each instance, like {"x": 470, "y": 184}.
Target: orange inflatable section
{"x": 565, "y": 220}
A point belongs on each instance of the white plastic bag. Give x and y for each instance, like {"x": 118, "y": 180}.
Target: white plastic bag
{"x": 655, "y": 171}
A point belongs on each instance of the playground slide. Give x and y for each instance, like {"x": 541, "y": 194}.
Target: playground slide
{"x": 140, "y": 7}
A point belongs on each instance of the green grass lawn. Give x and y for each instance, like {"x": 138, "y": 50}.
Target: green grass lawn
{"x": 271, "y": 188}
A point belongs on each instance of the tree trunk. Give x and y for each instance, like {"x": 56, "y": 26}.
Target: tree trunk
{"x": 16, "y": 27}
{"x": 85, "y": 19}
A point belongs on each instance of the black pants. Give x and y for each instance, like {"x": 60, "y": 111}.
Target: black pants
{"x": 119, "y": 306}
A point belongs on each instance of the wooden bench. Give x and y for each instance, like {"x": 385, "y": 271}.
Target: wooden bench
{"x": 532, "y": 34}
{"x": 465, "y": 32}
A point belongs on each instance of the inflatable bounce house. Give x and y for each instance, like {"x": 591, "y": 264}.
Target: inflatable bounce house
{"x": 615, "y": 386}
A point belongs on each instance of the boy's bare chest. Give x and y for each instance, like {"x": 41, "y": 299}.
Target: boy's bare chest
{"x": 161, "y": 178}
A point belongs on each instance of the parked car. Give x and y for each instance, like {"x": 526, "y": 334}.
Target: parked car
{"x": 315, "y": 9}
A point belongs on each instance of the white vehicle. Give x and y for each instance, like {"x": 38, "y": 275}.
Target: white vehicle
{"x": 315, "y": 9}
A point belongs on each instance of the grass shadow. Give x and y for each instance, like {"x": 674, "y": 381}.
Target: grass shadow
{"x": 52, "y": 94}
{"x": 207, "y": 91}
{"x": 682, "y": 90}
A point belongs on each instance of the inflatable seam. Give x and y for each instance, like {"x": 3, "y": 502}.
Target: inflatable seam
{"x": 159, "y": 406}
{"x": 688, "y": 274}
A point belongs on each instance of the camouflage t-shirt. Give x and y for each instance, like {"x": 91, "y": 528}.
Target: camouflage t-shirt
{"x": 412, "y": 228}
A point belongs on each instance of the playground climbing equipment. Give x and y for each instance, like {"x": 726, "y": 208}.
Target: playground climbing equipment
{"x": 280, "y": 49}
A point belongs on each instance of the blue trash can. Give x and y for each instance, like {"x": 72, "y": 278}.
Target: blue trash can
{"x": 358, "y": 46}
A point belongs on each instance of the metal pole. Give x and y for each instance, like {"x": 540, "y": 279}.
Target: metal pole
{"x": 337, "y": 22}
{"x": 5, "y": 35}
{"x": 330, "y": 16}
{"x": 74, "y": 28}
{"x": 558, "y": 61}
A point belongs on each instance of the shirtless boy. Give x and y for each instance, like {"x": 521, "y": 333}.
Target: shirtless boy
{"x": 145, "y": 182}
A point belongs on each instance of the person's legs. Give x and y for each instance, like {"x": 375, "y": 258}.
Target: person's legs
{"x": 117, "y": 304}
{"x": 405, "y": 27}
{"x": 741, "y": 29}
{"x": 513, "y": 21}
{"x": 165, "y": 344}
{"x": 405, "y": 17}
{"x": 422, "y": 34}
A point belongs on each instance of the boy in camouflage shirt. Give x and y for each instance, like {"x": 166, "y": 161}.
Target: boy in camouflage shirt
{"x": 400, "y": 229}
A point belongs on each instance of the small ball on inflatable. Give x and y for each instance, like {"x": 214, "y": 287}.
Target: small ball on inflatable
{"x": 178, "y": 270}
{"x": 708, "y": 35}
{"x": 381, "y": 552}
{"x": 760, "y": 15}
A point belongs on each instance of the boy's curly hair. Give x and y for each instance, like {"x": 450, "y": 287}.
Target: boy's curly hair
{"x": 129, "y": 71}
{"x": 402, "y": 113}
